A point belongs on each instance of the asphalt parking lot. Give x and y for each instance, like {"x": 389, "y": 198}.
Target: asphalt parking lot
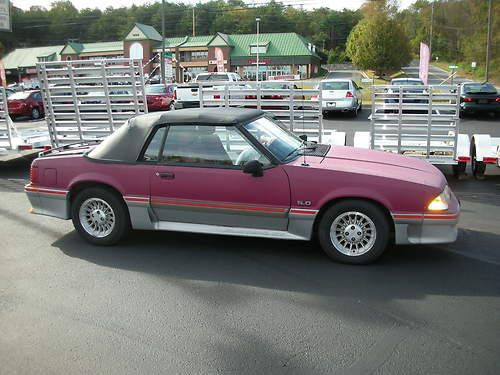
{"x": 175, "y": 303}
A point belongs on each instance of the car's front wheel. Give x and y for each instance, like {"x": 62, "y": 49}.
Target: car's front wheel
{"x": 354, "y": 231}
{"x": 100, "y": 216}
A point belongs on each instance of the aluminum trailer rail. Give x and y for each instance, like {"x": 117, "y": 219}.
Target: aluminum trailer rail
{"x": 418, "y": 121}
{"x": 86, "y": 100}
{"x": 299, "y": 109}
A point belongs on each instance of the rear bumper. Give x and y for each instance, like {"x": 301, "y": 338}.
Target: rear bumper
{"x": 50, "y": 202}
{"x": 475, "y": 107}
{"x": 339, "y": 105}
{"x": 181, "y": 105}
{"x": 20, "y": 111}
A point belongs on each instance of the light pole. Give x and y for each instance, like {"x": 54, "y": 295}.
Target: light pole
{"x": 258, "y": 22}
{"x": 162, "y": 58}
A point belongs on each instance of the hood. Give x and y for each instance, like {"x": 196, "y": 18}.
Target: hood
{"x": 381, "y": 164}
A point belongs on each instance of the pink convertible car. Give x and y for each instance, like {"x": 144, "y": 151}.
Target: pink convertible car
{"x": 239, "y": 172}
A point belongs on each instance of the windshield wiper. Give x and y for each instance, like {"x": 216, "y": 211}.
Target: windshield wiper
{"x": 301, "y": 147}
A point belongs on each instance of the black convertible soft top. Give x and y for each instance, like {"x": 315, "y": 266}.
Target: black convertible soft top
{"x": 126, "y": 143}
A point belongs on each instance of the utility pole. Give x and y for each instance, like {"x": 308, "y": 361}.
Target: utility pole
{"x": 430, "y": 36}
{"x": 488, "y": 42}
{"x": 194, "y": 25}
{"x": 162, "y": 57}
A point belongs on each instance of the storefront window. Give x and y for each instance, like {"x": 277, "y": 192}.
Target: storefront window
{"x": 302, "y": 71}
{"x": 279, "y": 70}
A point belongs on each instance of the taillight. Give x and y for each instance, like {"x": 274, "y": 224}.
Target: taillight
{"x": 25, "y": 147}
{"x": 467, "y": 99}
{"x": 489, "y": 160}
{"x": 46, "y": 147}
{"x": 349, "y": 94}
{"x": 33, "y": 174}
{"x": 216, "y": 96}
{"x": 175, "y": 95}
{"x": 497, "y": 99}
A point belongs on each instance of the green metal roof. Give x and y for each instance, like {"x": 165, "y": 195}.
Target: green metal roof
{"x": 149, "y": 31}
{"x": 279, "y": 44}
{"x": 28, "y": 57}
{"x": 172, "y": 42}
{"x": 198, "y": 41}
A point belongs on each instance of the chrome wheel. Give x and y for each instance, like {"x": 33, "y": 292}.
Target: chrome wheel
{"x": 353, "y": 233}
{"x": 97, "y": 217}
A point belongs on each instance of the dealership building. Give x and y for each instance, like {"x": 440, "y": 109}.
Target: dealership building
{"x": 280, "y": 54}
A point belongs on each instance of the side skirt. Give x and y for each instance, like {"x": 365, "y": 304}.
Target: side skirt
{"x": 228, "y": 231}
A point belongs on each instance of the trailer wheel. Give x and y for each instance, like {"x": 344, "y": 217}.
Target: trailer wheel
{"x": 459, "y": 169}
{"x": 478, "y": 167}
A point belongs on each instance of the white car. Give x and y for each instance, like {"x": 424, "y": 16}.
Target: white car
{"x": 340, "y": 95}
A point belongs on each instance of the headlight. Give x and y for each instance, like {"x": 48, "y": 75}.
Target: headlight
{"x": 440, "y": 203}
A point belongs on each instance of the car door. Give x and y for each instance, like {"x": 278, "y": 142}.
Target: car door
{"x": 198, "y": 179}
{"x": 356, "y": 92}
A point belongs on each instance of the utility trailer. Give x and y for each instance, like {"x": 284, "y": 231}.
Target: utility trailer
{"x": 485, "y": 155}
{"x": 418, "y": 121}
{"x": 299, "y": 109}
{"x": 87, "y": 100}
{"x": 16, "y": 145}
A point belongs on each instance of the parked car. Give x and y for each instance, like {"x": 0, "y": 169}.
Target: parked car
{"x": 237, "y": 172}
{"x": 160, "y": 97}
{"x": 413, "y": 90}
{"x": 274, "y": 98}
{"x": 187, "y": 96}
{"x": 26, "y": 103}
{"x": 340, "y": 95}
{"x": 479, "y": 97}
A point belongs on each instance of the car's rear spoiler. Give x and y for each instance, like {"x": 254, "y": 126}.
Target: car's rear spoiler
{"x": 68, "y": 146}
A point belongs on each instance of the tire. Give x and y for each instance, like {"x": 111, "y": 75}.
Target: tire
{"x": 459, "y": 169}
{"x": 478, "y": 167}
{"x": 35, "y": 114}
{"x": 110, "y": 215}
{"x": 171, "y": 107}
{"x": 370, "y": 244}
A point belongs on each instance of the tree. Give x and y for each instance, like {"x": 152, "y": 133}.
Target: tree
{"x": 379, "y": 43}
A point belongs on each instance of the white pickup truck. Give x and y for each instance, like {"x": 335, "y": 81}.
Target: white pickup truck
{"x": 187, "y": 95}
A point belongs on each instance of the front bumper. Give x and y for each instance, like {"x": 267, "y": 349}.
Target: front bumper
{"x": 425, "y": 228}
{"x": 47, "y": 201}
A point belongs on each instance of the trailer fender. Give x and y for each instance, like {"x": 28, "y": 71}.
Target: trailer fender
{"x": 483, "y": 145}
{"x": 362, "y": 139}
{"x": 463, "y": 148}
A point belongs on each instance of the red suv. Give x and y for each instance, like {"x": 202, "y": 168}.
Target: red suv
{"x": 26, "y": 103}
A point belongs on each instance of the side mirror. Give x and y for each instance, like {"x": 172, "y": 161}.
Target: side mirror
{"x": 303, "y": 137}
{"x": 253, "y": 167}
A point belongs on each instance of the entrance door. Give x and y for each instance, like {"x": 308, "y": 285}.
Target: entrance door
{"x": 199, "y": 179}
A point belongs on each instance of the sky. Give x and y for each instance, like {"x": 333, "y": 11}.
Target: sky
{"x": 102, "y": 4}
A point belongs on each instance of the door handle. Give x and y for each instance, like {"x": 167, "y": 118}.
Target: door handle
{"x": 165, "y": 175}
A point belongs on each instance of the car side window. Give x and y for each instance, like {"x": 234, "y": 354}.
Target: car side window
{"x": 153, "y": 150}
{"x": 36, "y": 96}
{"x": 208, "y": 146}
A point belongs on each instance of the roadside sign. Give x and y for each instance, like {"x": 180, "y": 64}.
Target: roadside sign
{"x": 452, "y": 66}
{"x": 5, "y": 16}
{"x": 473, "y": 64}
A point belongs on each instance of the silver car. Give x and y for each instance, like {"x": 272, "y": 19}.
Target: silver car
{"x": 340, "y": 95}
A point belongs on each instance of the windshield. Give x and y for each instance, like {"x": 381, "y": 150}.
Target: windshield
{"x": 334, "y": 85}
{"x": 403, "y": 82}
{"x": 156, "y": 89}
{"x": 479, "y": 88}
{"x": 280, "y": 142}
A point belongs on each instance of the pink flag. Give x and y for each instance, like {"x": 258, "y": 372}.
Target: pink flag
{"x": 423, "y": 72}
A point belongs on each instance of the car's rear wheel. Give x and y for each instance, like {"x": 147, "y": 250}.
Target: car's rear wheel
{"x": 478, "y": 167}
{"x": 35, "y": 113}
{"x": 353, "y": 231}
{"x": 171, "y": 107}
{"x": 100, "y": 216}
